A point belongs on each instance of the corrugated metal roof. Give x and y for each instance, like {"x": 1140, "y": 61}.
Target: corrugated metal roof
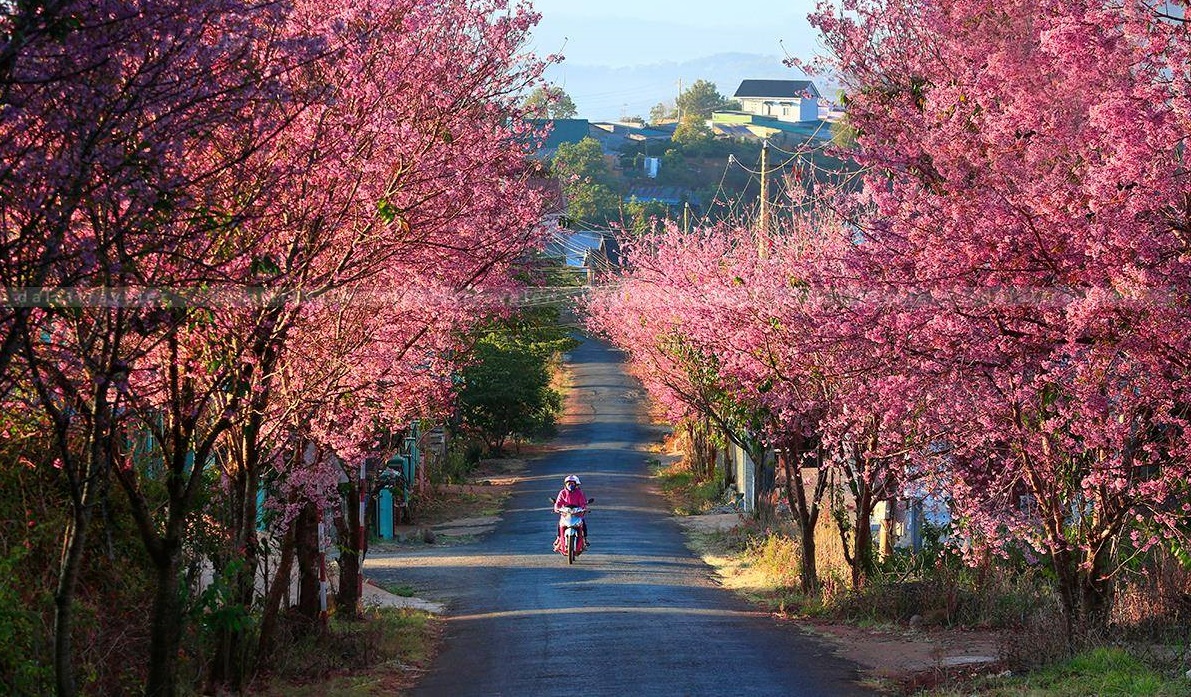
{"x": 562, "y": 131}
{"x": 733, "y": 130}
{"x": 783, "y": 89}
{"x": 574, "y": 247}
{"x": 669, "y": 195}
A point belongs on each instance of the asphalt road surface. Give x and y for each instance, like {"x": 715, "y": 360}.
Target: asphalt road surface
{"x": 637, "y": 614}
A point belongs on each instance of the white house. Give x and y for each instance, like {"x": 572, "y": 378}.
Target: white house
{"x": 784, "y": 100}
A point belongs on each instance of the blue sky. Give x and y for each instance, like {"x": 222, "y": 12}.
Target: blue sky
{"x": 634, "y": 32}
{"x": 606, "y": 43}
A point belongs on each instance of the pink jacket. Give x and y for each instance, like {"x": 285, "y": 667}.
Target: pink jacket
{"x": 573, "y": 497}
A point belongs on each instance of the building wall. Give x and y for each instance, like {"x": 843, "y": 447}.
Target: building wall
{"x": 742, "y": 468}
{"x": 808, "y": 109}
{"x": 791, "y": 110}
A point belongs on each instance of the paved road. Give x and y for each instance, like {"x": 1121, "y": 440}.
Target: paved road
{"x": 636, "y": 615}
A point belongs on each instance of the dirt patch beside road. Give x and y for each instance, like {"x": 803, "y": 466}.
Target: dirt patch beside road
{"x": 904, "y": 660}
{"x": 456, "y": 513}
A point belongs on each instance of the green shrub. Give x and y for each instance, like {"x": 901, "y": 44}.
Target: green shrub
{"x": 24, "y": 640}
{"x": 460, "y": 461}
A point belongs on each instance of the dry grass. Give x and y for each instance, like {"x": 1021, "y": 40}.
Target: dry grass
{"x": 382, "y": 654}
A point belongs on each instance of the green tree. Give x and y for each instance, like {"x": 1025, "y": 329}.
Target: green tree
{"x": 644, "y": 216}
{"x": 583, "y": 160}
{"x": 550, "y": 102}
{"x": 506, "y": 388}
{"x": 591, "y": 205}
{"x": 661, "y": 112}
{"x": 587, "y": 182}
{"x": 700, "y": 99}
{"x": 693, "y": 136}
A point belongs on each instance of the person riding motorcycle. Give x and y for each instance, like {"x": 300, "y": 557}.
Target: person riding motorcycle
{"x": 570, "y": 495}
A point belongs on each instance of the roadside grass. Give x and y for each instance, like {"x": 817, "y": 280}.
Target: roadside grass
{"x": 381, "y": 654}
{"x": 759, "y": 566}
{"x": 1103, "y": 672}
{"x": 453, "y": 503}
{"x": 686, "y": 493}
{"x": 403, "y": 590}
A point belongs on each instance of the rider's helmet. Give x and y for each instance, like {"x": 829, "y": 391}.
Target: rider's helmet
{"x": 571, "y": 480}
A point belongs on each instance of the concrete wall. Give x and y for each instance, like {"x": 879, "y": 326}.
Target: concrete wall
{"x": 789, "y": 110}
{"x": 742, "y": 468}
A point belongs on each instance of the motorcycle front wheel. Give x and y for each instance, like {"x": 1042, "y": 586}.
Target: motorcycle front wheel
{"x": 571, "y": 548}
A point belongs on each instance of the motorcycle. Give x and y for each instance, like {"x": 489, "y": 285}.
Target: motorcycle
{"x": 570, "y": 519}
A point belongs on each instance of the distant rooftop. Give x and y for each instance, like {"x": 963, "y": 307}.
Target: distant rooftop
{"x": 777, "y": 89}
{"x": 669, "y": 195}
{"x": 561, "y": 131}
{"x": 739, "y": 124}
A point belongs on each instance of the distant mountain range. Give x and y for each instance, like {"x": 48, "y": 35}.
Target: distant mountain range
{"x": 605, "y": 93}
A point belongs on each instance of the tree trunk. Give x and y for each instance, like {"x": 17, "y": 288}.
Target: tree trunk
{"x": 808, "y": 571}
{"x": 862, "y": 551}
{"x": 806, "y": 514}
{"x": 707, "y": 449}
{"x": 1096, "y": 599}
{"x": 68, "y": 573}
{"x": 1068, "y": 587}
{"x": 228, "y": 669}
{"x": 306, "y": 550}
{"x": 277, "y": 593}
{"x": 166, "y": 630}
{"x": 165, "y": 551}
{"x": 246, "y": 486}
{"x": 351, "y": 552}
{"x": 1097, "y": 587}
{"x": 85, "y": 483}
{"x": 887, "y": 523}
{"x": 865, "y": 498}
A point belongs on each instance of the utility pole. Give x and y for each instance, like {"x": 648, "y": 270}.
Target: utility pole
{"x": 686, "y": 216}
{"x": 763, "y": 217}
{"x": 362, "y": 539}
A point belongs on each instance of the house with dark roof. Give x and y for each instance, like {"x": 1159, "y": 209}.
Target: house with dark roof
{"x": 784, "y": 100}
{"x": 604, "y": 260}
{"x": 554, "y": 132}
{"x": 614, "y": 137}
{"x": 597, "y": 251}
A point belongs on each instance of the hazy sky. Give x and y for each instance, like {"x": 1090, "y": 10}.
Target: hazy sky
{"x": 634, "y": 32}
{"x": 604, "y": 41}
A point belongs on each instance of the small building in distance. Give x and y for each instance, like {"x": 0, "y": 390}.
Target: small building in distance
{"x": 553, "y": 132}
{"x": 785, "y": 100}
{"x": 743, "y": 125}
{"x": 615, "y": 136}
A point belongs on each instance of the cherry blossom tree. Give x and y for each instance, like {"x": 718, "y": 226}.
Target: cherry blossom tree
{"x": 772, "y": 331}
{"x": 211, "y": 170}
{"x": 1027, "y": 213}
{"x": 109, "y": 126}
{"x": 405, "y": 187}
{"x": 654, "y": 313}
